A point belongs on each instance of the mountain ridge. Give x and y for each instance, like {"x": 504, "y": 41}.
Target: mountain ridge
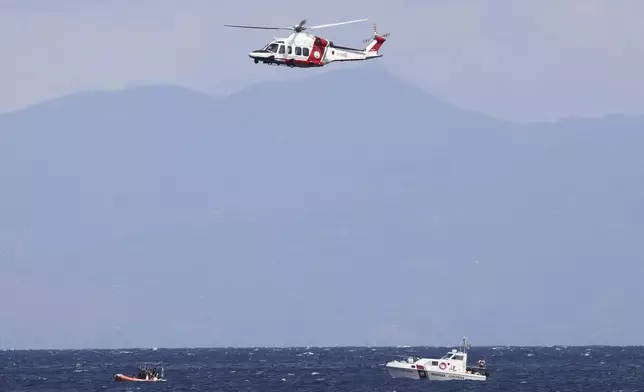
{"x": 306, "y": 200}
{"x": 191, "y": 93}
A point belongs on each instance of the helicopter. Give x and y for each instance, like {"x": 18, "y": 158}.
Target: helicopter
{"x": 303, "y": 50}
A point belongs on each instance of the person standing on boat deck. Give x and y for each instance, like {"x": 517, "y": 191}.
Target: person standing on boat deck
{"x": 481, "y": 363}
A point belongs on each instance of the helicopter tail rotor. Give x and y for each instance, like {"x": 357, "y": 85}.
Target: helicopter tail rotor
{"x": 375, "y": 43}
{"x": 375, "y": 36}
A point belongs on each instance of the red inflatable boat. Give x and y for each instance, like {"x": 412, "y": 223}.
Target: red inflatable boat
{"x": 147, "y": 373}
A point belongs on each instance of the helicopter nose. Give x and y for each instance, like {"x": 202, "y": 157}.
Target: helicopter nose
{"x": 259, "y": 54}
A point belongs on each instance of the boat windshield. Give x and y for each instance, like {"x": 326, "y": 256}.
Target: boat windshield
{"x": 447, "y": 356}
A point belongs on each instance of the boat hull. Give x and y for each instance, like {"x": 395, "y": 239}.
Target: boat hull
{"x": 123, "y": 377}
{"x": 447, "y": 376}
{"x": 399, "y": 370}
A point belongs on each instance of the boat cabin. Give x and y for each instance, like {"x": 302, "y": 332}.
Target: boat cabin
{"x": 455, "y": 361}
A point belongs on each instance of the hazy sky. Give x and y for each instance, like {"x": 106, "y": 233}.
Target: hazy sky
{"x": 520, "y": 60}
{"x": 314, "y": 233}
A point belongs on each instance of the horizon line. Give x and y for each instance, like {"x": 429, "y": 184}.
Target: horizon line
{"x": 323, "y": 347}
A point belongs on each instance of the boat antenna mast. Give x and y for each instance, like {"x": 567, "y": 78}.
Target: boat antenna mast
{"x": 465, "y": 345}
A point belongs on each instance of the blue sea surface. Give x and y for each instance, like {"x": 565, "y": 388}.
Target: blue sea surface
{"x": 601, "y": 369}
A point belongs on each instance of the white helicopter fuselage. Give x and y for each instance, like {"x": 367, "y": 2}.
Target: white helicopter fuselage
{"x": 301, "y": 49}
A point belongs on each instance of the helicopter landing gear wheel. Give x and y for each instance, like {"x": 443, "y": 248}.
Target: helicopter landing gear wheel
{"x": 256, "y": 61}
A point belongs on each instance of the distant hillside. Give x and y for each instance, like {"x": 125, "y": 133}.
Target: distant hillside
{"x": 324, "y": 210}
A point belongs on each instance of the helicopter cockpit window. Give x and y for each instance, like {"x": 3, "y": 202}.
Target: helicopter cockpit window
{"x": 290, "y": 50}
{"x": 281, "y": 51}
{"x": 272, "y": 47}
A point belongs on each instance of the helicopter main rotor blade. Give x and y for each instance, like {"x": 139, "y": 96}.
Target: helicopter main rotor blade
{"x": 259, "y": 27}
{"x": 335, "y": 24}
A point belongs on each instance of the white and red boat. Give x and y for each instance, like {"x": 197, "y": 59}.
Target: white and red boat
{"x": 452, "y": 366}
